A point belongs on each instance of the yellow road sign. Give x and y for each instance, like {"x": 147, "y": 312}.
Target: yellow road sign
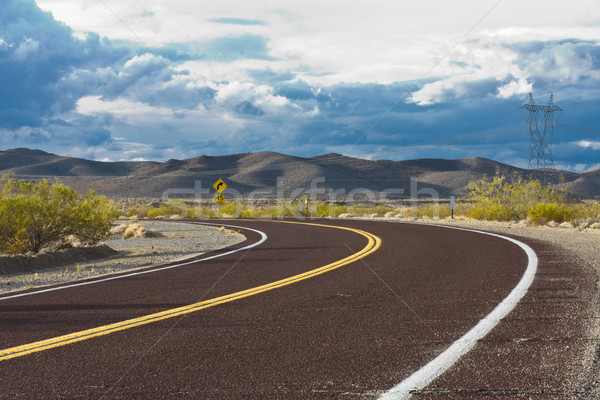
{"x": 220, "y": 185}
{"x": 220, "y": 198}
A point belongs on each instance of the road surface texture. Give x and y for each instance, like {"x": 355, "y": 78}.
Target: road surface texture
{"x": 353, "y": 332}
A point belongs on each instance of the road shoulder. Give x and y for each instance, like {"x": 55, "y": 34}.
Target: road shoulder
{"x": 175, "y": 241}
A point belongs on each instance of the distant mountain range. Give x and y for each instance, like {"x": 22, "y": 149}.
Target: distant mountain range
{"x": 262, "y": 171}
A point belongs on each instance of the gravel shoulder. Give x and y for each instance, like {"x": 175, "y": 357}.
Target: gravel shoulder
{"x": 170, "y": 242}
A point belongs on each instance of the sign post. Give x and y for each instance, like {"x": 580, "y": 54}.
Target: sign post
{"x": 452, "y": 204}
{"x": 219, "y": 186}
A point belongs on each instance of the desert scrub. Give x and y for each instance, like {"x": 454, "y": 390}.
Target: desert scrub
{"x": 138, "y": 212}
{"x": 39, "y": 215}
{"x": 131, "y": 231}
{"x": 381, "y": 209}
{"x": 504, "y": 199}
{"x": 251, "y": 213}
{"x": 168, "y": 209}
{"x": 286, "y": 209}
{"x": 233, "y": 208}
{"x": 543, "y": 213}
{"x": 434, "y": 211}
{"x": 586, "y": 210}
{"x": 324, "y": 210}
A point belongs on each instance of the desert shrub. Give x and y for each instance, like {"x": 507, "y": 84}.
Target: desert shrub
{"x": 324, "y": 209}
{"x": 233, "y": 208}
{"x": 434, "y": 211}
{"x": 250, "y": 213}
{"x": 586, "y": 210}
{"x": 190, "y": 212}
{"x": 288, "y": 209}
{"x": 93, "y": 217}
{"x": 171, "y": 208}
{"x": 493, "y": 212}
{"x": 129, "y": 232}
{"x": 140, "y": 211}
{"x": 381, "y": 209}
{"x": 335, "y": 210}
{"x": 502, "y": 199}
{"x": 38, "y": 215}
{"x": 542, "y": 213}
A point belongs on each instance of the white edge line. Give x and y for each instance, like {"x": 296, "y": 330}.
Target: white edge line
{"x": 437, "y": 366}
{"x": 262, "y": 240}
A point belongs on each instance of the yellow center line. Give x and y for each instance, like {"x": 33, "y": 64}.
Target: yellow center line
{"x": 373, "y": 244}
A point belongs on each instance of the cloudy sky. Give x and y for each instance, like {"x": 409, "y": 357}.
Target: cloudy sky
{"x": 393, "y": 79}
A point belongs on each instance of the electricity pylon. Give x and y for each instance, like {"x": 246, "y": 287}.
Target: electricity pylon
{"x": 540, "y": 141}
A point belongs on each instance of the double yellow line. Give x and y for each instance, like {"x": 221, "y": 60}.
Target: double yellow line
{"x": 373, "y": 244}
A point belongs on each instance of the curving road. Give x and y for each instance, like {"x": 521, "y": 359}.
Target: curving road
{"x": 353, "y": 331}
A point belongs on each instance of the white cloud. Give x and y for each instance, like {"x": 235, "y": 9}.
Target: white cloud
{"x": 262, "y": 97}
{"x": 518, "y": 34}
{"x": 143, "y": 59}
{"x": 247, "y": 91}
{"x": 120, "y": 151}
{"x": 431, "y": 93}
{"x": 335, "y": 42}
{"x": 576, "y": 167}
{"x": 154, "y": 22}
{"x": 311, "y": 45}
{"x": 129, "y": 110}
{"x": 588, "y": 144}
{"x": 515, "y": 88}
{"x": 566, "y": 63}
{"x": 470, "y": 63}
{"x": 133, "y": 122}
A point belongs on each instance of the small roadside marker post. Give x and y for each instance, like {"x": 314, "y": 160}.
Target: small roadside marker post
{"x": 452, "y": 203}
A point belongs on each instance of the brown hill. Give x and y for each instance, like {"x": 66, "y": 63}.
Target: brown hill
{"x": 266, "y": 174}
{"x": 586, "y": 184}
{"x": 37, "y": 162}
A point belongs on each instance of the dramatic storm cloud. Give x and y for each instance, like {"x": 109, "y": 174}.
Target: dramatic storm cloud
{"x": 146, "y": 80}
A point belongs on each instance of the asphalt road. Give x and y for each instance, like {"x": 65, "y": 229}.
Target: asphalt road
{"x": 352, "y": 332}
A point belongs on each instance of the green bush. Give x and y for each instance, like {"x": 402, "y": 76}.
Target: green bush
{"x": 381, "y": 209}
{"x": 233, "y": 208}
{"x": 138, "y": 212}
{"x": 434, "y": 211}
{"x": 586, "y": 210}
{"x": 173, "y": 207}
{"x": 501, "y": 199}
{"x": 542, "y": 213}
{"x": 38, "y": 215}
{"x": 324, "y": 210}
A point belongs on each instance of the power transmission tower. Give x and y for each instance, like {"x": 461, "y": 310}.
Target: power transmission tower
{"x": 541, "y": 123}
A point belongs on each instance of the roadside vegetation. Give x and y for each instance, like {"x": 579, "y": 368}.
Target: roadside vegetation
{"x": 40, "y": 215}
{"x": 503, "y": 199}
{"x": 497, "y": 198}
